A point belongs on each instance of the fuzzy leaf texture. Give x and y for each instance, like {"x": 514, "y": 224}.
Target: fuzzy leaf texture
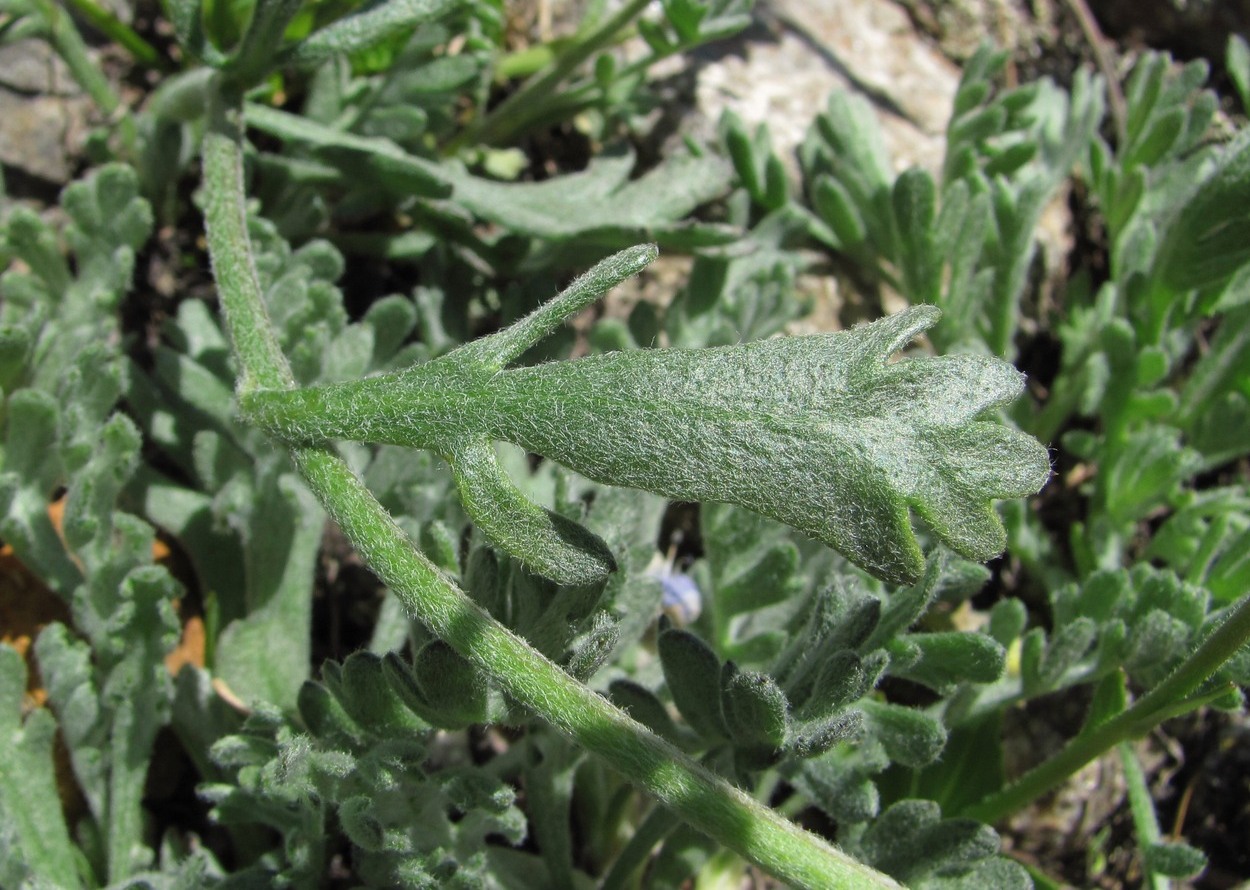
{"x": 821, "y": 432}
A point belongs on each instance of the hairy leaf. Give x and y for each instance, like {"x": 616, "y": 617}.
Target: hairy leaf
{"x": 820, "y": 432}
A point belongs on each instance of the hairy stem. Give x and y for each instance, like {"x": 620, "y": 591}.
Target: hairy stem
{"x": 706, "y": 801}
{"x": 1169, "y": 699}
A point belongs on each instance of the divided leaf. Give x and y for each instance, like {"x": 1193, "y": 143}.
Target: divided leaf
{"x": 820, "y": 432}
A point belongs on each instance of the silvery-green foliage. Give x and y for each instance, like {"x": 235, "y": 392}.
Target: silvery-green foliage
{"x": 250, "y": 527}
{"x": 778, "y": 674}
{"x": 912, "y": 842}
{"x": 965, "y": 242}
{"x": 105, "y": 679}
{"x": 599, "y": 205}
{"x": 34, "y": 839}
{"x": 843, "y": 455}
{"x": 364, "y": 760}
{"x": 1168, "y": 194}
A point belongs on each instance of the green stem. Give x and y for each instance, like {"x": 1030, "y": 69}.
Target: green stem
{"x": 514, "y": 113}
{"x": 261, "y": 362}
{"x": 1169, "y": 699}
{"x": 69, "y": 45}
{"x": 1145, "y": 820}
{"x": 119, "y": 32}
{"x": 258, "y": 50}
{"x": 706, "y": 801}
{"x": 658, "y": 824}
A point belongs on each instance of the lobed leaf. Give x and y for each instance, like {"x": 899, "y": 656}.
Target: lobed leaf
{"x": 820, "y": 432}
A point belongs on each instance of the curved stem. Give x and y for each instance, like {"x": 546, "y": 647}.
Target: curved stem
{"x": 108, "y": 24}
{"x": 1172, "y": 697}
{"x": 69, "y": 45}
{"x": 261, "y": 362}
{"x": 514, "y": 113}
{"x": 694, "y": 793}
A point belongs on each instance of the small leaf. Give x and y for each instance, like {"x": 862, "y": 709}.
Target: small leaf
{"x": 815, "y": 737}
{"x": 954, "y": 657}
{"x": 372, "y": 25}
{"x": 910, "y": 841}
{"x": 369, "y": 699}
{"x": 837, "y": 208}
{"x": 360, "y": 825}
{"x": 552, "y": 545}
{"x": 455, "y": 689}
{"x": 28, "y": 788}
{"x": 602, "y": 200}
{"x": 1069, "y": 645}
{"x": 844, "y": 679}
{"x": 323, "y": 715}
{"x": 838, "y": 784}
{"x": 757, "y": 714}
{"x": 1110, "y": 699}
{"x": 591, "y": 650}
{"x": 1209, "y": 240}
{"x": 911, "y": 738}
{"x": 693, "y": 673}
{"x": 1239, "y": 68}
{"x": 1008, "y": 619}
{"x": 1174, "y": 859}
{"x": 768, "y": 580}
{"x": 640, "y": 703}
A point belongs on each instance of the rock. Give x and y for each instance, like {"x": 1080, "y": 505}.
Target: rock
{"x": 43, "y": 113}
{"x": 864, "y": 46}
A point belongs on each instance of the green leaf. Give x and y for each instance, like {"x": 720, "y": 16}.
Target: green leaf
{"x": 552, "y": 545}
{"x": 455, "y": 689}
{"x": 914, "y": 200}
{"x": 949, "y": 658}
{"x": 910, "y": 841}
{"x": 910, "y": 737}
{"x": 1174, "y": 859}
{"x": 366, "y": 28}
{"x": 1110, "y": 699}
{"x": 769, "y": 580}
{"x": 369, "y": 699}
{"x": 324, "y": 715}
{"x": 591, "y": 650}
{"x": 279, "y": 575}
{"x": 971, "y": 767}
{"x": 837, "y": 782}
{"x": 1209, "y": 239}
{"x": 640, "y": 703}
{"x": 837, "y": 208}
{"x": 819, "y": 432}
{"x": 377, "y": 157}
{"x": 1071, "y": 643}
{"x": 693, "y": 673}
{"x": 1238, "y": 65}
{"x": 757, "y": 714}
{"x": 1008, "y": 619}
{"x": 844, "y": 679}
{"x": 601, "y": 202}
{"x": 814, "y": 737}
{"x": 30, "y": 806}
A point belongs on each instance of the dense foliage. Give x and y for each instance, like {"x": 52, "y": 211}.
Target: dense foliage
{"x": 533, "y": 684}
